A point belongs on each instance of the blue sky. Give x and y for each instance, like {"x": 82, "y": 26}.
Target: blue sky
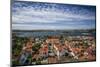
{"x": 50, "y": 16}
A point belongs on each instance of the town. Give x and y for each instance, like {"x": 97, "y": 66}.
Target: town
{"x": 53, "y": 49}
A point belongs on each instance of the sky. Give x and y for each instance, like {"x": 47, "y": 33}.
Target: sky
{"x": 51, "y": 16}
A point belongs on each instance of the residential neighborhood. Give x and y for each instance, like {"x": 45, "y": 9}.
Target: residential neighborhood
{"x": 56, "y": 49}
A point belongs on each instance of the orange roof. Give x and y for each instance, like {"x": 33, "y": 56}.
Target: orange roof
{"x": 45, "y": 49}
{"x": 53, "y": 37}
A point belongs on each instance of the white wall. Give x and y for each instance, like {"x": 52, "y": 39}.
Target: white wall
{"x": 5, "y": 33}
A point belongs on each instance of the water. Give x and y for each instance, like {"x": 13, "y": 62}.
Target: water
{"x": 53, "y": 33}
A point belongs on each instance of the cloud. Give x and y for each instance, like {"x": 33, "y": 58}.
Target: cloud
{"x": 25, "y": 13}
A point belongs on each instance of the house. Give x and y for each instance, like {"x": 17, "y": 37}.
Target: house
{"x": 52, "y": 39}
